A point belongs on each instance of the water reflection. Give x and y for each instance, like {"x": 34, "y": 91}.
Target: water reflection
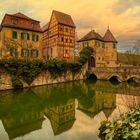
{"x": 27, "y": 111}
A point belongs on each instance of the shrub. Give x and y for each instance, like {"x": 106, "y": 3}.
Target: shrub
{"x": 16, "y": 83}
{"x": 126, "y": 128}
{"x": 27, "y": 70}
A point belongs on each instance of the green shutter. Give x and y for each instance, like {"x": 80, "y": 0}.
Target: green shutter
{"x": 14, "y": 35}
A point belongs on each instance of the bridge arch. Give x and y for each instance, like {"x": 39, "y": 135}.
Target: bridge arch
{"x": 114, "y": 77}
{"x": 93, "y": 76}
{"x": 133, "y": 78}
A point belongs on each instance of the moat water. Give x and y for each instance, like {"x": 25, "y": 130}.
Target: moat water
{"x": 68, "y": 111}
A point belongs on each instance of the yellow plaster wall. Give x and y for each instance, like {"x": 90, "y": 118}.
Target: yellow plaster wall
{"x": 6, "y": 37}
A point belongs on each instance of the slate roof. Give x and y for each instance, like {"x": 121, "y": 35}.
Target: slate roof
{"x": 63, "y": 18}
{"x": 108, "y": 37}
{"x": 91, "y": 35}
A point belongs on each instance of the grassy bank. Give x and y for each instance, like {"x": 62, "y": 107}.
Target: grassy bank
{"x": 129, "y": 59}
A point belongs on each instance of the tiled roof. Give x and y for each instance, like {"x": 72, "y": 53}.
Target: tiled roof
{"x": 64, "y": 18}
{"x": 91, "y": 35}
{"x": 45, "y": 27}
{"x": 23, "y": 22}
{"x": 108, "y": 37}
{"x": 20, "y": 15}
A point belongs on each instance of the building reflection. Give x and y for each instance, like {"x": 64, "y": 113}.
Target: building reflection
{"x": 106, "y": 97}
{"x": 101, "y": 101}
{"x": 62, "y": 117}
{"x": 59, "y": 106}
{"x": 23, "y": 114}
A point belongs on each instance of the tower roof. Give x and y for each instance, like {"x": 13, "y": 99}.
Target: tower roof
{"x": 63, "y": 18}
{"x": 91, "y": 35}
{"x": 108, "y": 37}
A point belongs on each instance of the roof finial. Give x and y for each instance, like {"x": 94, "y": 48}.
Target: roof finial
{"x": 92, "y": 29}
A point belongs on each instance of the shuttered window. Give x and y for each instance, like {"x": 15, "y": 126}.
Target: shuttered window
{"x": 35, "y": 37}
{"x": 34, "y": 53}
{"x": 14, "y": 34}
{"x": 28, "y": 36}
{"x": 24, "y": 52}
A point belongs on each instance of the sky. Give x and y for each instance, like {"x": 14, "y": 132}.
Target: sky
{"x": 122, "y": 16}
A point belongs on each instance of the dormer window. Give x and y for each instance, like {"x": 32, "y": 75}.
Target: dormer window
{"x": 33, "y": 24}
{"x": 14, "y": 21}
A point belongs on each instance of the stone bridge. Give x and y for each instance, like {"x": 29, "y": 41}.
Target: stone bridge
{"x": 121, "y": 73}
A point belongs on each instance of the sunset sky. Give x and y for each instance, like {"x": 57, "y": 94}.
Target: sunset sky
{"x": 122, "y": 16}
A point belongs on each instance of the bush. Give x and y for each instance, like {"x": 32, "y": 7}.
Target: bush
{"x": 126, "y": 128}
{"x": 28, "y": 70}
{"x": 16, "y": 83}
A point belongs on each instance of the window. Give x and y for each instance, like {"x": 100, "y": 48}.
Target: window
{"x": 14, "y": 35}
{"x": 70, "y": 40}
{"x": 66, "y": 40}
{"x": 85, "y": 44}
{"x": 13, "y": 52}
{"x": 33, "y": 24}
{"x": 66, "y": 52}
{"x": 62, "y": 39}
{"x": 35, "y": 37}
{"x": 25, "y": 36}
{"x": 114, "y": 45}
{"x": 103, "y": 45}
{"x": 66, "y": 29}
{"x": 61, "y": 29}
{"x": 34, "y": 53}
{"x": 14, "y": 21}
{"x": 97, "y": 43}
{"x": 24, "y": 52}
{"x": 28, "y": 36}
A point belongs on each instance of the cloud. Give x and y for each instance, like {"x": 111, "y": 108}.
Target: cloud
{"x": 121, "y": 15}
{"x": 122, "y": 6}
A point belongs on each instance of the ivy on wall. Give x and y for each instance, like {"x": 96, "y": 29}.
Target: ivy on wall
{"x": 28, "y": 70}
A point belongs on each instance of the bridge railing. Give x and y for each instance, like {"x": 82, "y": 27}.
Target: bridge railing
{"x": 117, "y": 69}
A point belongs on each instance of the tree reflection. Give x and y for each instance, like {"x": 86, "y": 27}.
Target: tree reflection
{"x": 23, "y": 111}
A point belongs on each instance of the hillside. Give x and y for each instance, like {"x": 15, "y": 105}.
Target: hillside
{"x": 129, "y": 59}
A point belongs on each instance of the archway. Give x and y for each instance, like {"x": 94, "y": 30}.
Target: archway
{"x": 114, "y": 80}
{"x": 133, "y": 80}
{"x": 91, "y": 62}
{"x": 92, "y": 77}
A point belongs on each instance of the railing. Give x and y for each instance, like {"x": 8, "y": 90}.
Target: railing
{"x": 117, "y": 69}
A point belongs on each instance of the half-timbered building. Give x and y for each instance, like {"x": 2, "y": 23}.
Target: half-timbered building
{"x": 59, "y": 37}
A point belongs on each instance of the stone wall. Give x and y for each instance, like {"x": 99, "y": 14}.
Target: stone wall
{"x": 122, "y": 73}
{"x": 43, "y": 78}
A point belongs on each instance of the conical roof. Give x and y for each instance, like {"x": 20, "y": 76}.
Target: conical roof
{"x": 108, "y": 37}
